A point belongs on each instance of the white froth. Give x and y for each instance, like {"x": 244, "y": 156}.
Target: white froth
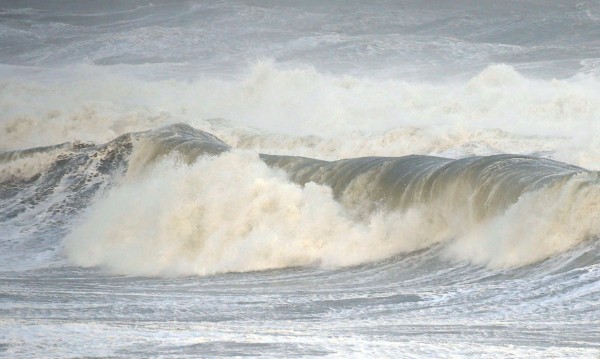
{"x": 540, "y": 225}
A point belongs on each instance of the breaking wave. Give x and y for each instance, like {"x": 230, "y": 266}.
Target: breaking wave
{"x": 188, "y": 204}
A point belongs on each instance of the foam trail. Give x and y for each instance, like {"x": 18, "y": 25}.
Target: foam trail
{"x": 181, "y": 212}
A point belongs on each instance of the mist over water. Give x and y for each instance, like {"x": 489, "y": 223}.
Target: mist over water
{"x": 299, "y": 179}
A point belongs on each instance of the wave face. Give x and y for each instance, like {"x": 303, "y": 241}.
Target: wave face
{"x": 299, "y": 179}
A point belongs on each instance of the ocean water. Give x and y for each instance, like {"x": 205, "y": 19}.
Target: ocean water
{"x": 406, "y": 179}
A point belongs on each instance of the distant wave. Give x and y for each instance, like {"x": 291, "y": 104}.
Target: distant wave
{"x": 302, "y": 111}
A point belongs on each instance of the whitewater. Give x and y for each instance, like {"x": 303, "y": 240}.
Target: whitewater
{"x": 300, "y": 179}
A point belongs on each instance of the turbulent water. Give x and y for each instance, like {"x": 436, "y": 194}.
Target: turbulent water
{"x": 300, "y": 179}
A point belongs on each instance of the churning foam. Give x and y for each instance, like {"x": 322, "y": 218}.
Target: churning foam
{"x": 223, "y": 214}
{"x": 304, "y": 112}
